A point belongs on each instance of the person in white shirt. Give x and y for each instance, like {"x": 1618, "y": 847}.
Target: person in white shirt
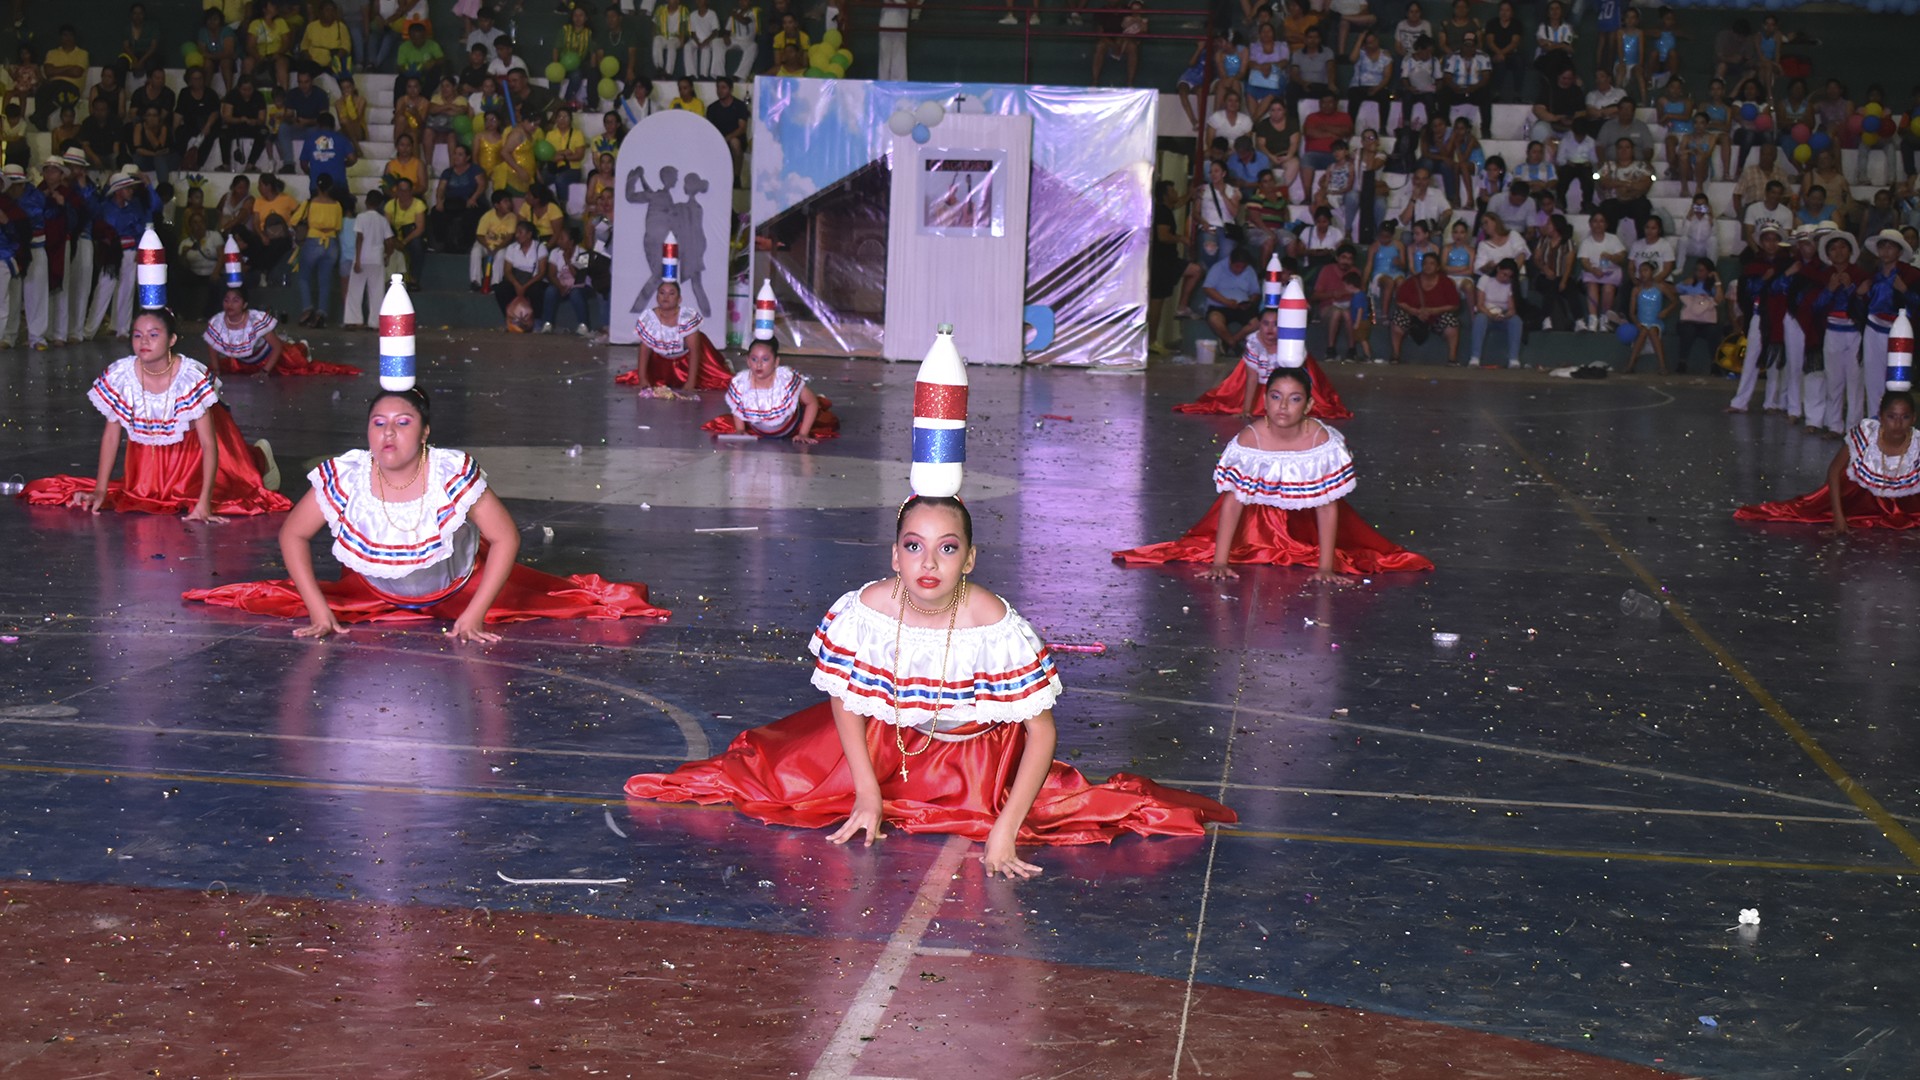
{"x": 1354, "y": 16}
{"x": 1424, "y": 201}
{"x": 1501, "y": 243}
{"x": 1322, "y": 239}
{"x": 1772, "y": 209}
{"x": 503, "y": 59}
{"x": 1372, "y": 78}
{"x": 669, "y": 37}
{"x": 1420, "y": 75}
{"x": 1577, "y": 160}
{"x": 1229, "y": 121}
{"x": 743, "y": 33}
{"x": 366, "y": 280}
{"x": 1469, "y": 81}
{"x": 1515, "y": 206}
{"x": 706, "y": 51}
{"x": 482, "y": 33}
{"x": 1654, "y": 247}
{"x": 1493, "y": 303}
{"x": 1602, "y": 269}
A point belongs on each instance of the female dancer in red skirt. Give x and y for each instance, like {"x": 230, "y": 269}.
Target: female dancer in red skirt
{"x": 774, "y": 402}
{"x": 243, "y": 341}
{"x": 674, "y": 351}
{"x": 1872, "y": 483}
{"x": 420, "y": 537}
{"x": 184, "y": 452}
{"x": 1241, "y": 391}
{"x": 1283, "y": 483}
{"x": 939, "y": 719}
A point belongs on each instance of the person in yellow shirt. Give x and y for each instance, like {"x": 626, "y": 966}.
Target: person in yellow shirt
{"x": 408, "y": 216}
{"x": 269, "y": 43}
{"x": 569, "y": 151}
{"x": 319, "y": 251}
{"x": 267, "y": 238}
{"x": 516, "y": 171}
{"x": 404, "y": 165}
{"x": 231, "y": 11}
{"x": 65, "y": 68}
{"x": 351, "y": 110}
{"x": 326, "y": 42}
{"x": 669, "y": 36}
{"x": 543, "y": 213}
{"x": 685, "y": 99}
{"x": 495, "y": 232}
{"x": 791, "y": 34}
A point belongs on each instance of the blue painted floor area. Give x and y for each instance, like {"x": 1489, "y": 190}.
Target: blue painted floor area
{"x": 1545, "y": 831}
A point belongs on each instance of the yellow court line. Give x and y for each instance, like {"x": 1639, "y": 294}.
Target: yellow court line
{"x": 1868, "y": 805}
{"x": 348, "y": 787}
{"x": 1569, "y": 853}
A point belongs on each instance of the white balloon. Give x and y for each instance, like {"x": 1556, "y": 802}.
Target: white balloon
{"x": 901, "y": 122}
{"x": 930, "y": 113}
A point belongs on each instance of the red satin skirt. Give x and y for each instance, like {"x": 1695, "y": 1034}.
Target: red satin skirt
{"x": 528, "y": 594}
{"x": 825, "y": 425}
{"x": 672, "y": 371}
{"x": 1863, "y": 508}
{"x": 1268, "y": 534}
{"x": 1232, "y": 391}
{"x": 166, "y": 479}
{"x": 293, "y": 361}
{"x": 794, "y": 772}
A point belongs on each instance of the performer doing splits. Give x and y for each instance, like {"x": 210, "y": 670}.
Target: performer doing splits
{"x": 1872, "y": 483}
{"x": 771, "y": 401}
{"x": 1269, "y": 347}
{"x": 417, "y": 531}
{"x": 159, "y": 397}
{"x": 673, "y": 349}
{"x": 939, "y": 716}
{"x": 242, "y": 341}
{"x": 1278, "y": 468}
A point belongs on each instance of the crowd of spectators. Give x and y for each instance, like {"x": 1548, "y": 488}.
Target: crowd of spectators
{"x": 1351, "y": 141}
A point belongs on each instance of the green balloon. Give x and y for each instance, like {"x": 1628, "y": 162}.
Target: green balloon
{"x": 542, "y": 150}
{"x": 463, "y": 124}
{"x": 609, "y": 66}
{"x": 817, "y": 73}
{"x": 570, "y": 60}
{"x": 609, "y": 89}
{"x": 189, "y": 49}
{"x": 845, "y": 57}
{"x": 556, "y": 73}
{"x": 465, "y": 137}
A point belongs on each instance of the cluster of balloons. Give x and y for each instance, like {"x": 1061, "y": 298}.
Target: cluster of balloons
{"x": 918, "y": 122}
{"x": 829, "y": 58}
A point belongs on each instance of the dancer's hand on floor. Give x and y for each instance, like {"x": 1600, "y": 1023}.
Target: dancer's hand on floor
{"x": 1219, "y": 572}
{"x": 321, "y": 627}
{"x": 1001, "y": 858}
{"x": 471, "y": 626}
{"x": 865, "y": 818}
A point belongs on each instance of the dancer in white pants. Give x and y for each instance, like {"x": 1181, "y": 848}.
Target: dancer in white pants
{"x": 113, "y": 291}
{"x": 1845, "y": 388}
{"x": 1760, "y": 353}
{"x": 78, "y": 284}
{"x": 1890, "y": 290}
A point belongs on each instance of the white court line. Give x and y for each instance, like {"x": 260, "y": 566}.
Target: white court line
{"x": 870, "y": 1003}
{"x": 339, "y": 740}
{"x": 1531, "y": 804}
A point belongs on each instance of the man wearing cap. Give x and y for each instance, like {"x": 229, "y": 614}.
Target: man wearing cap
{"x": 1841, "y": 401}
{"x": 13, "y": 183}
{"x": 41, "y": 296}
{"x": 127, "y": 210}
{"x": 1893, "y": 288}
{"x": 82, "y": 209}
{"x": 1763, "y": 302}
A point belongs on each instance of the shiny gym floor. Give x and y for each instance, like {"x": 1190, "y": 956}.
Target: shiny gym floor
{"x": 228, "y": 853}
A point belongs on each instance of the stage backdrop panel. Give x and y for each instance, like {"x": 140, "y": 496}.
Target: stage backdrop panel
{"x": 832, "y": 168}
{"x": 675, "y": 175}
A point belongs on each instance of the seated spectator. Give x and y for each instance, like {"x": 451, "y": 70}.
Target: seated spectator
{"x": 1298, "y": 18}
{"x": 1321, "y": 130}
{"x": 671, "y": 27}
{"x": 541, "y": 212}
{"x": 1654, "y": 247}
{"x": 1372, "y": 78}
{"x": 476, "y": 71}
{"x": 459, "y": 201}
{"x": 421, "y": 57}
{"x": 409, "y": 109}
{"x": 1469, "y": 81}
{"x": 1499, "y": 244}
{"x": 1551, "y": 273}
{"x": 404, "y": 165}
{"x": 1577, "y": 161}
{"x": 521, "y": 273}
{"x": 101, "y": 135}
{"x": 234, "y": 211}
{"x": 494, "y": 232}
{"x": 267, "y": 240}
{"x": 1426, "y": 302}
{"x": 153, "y": 146}
{"x": 300, "y": 111}
{"x": 269, "y": 47}
{"x": 408, "y": 216}
{"x": 65, "y": 134}
{"x": 528, "y": 100}
{"x": 1623, "y": 186}
{"x": 219, "y": 46}
{"x": 1553, "y": 44}
{"x": 1514, "y": 206}
{"x": 326, "y": 45}
{"x": 1421, "y": 74}
{"x": 1627, "y": 125}
{"x": 1264, "y": 214}
{"x": 729, "y": 116}
{"x": 1245, "y": 165}
{"x": 1311, "y": 75}
{"x": 1229, "y": 121}
{"x": 1321, "y": 241}
{"x": 482, "y": 31}
{"x": 1735, "y": 55}
{"x": 1424, "y": 201}
{"x": 1814, "y": 209}
{"x": 1412, "y": 28}
{"x": 153, "y": 93}
{"x": 1354, "y": 16}
{"x": 446, "y": 105}
{"x": 1268, "y": 63}
{"x": 201, "y": 253}
{"x": 111, "y": 89}
{"x": 1502, "y": 38}
{"x": 1232, "y": 292}
{"x": 504, "y": 62}
{"x": 569, "y": 154}
{"x": 350, "y": 111}
{"x": 196, "y": 121}
{"x": 567, "y": 284}
{"x": 1336, "y": 289}
{"x": 140, "y": 47}
{"x": 1558, "y": 111}
{"x": 1603, "y": 101}
{"x": 1603, "y": 260}
{"x": 1772, "y": 209}
{"x": 64, "y": 75}
{"x": 13, "y": 135}
{"x": 243, "y": 118}
{"x": 1494, "y": 303}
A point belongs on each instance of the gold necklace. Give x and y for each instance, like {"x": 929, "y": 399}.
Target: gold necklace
{"x": 953, "y": 615}
{"x": 386, "y": 507}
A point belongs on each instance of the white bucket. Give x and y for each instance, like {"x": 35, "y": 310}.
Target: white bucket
{"x": 1204, "y": 350}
